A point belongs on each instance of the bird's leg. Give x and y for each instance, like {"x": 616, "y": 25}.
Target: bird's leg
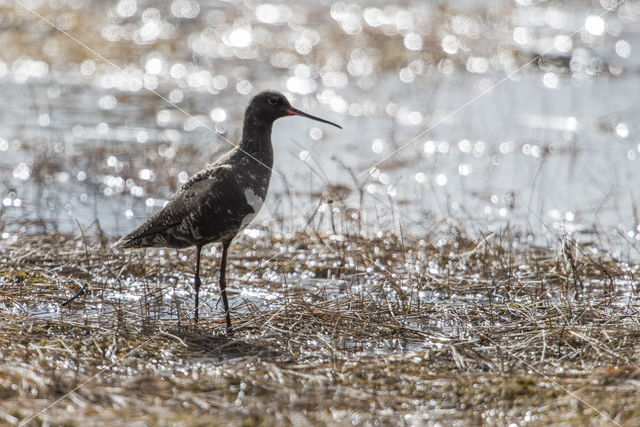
{"x": 223, "y": 283}
{"x": 197, "y": 279}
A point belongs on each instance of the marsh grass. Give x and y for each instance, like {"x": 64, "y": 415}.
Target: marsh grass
{"x": 347, "y": 329}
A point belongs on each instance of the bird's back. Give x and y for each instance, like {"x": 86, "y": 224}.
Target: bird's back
{"x": 212, "y": 206}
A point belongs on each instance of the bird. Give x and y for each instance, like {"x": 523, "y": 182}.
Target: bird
{"x": 215, "y": 204}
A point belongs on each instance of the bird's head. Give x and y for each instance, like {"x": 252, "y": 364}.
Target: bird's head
{"x": 273, "y": 105}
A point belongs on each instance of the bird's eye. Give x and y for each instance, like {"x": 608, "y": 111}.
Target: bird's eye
{"x": 273, "y": 101}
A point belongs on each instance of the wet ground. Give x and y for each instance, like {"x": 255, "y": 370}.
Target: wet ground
{"x": 327, "y": 331}
{"x": 449, "y": 114}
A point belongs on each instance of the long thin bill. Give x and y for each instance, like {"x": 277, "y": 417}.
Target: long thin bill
{"x": 295, "y": 112}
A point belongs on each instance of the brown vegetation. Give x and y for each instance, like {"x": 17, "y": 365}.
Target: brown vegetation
{"x": 349, "y": 329}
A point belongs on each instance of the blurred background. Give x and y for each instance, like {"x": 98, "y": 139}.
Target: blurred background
{"x": 476, "y": 116}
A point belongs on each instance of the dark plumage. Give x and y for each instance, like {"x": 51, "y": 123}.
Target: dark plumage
{"x": 220, "y": 200}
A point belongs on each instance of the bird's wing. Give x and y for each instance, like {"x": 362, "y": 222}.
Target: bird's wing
{"x": 210, "y": 201}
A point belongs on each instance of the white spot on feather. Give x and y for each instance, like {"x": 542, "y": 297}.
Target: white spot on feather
{"x": 253, "y": 199}
{"x": 255, "y": 202}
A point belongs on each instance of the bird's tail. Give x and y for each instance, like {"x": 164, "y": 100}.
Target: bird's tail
{"x": 122, "y": 243}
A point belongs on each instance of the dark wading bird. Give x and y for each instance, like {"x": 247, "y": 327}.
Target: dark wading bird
{"x": 222, "y": 199}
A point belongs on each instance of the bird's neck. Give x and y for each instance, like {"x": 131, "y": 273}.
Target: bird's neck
{"x": 256, "y": 141}
{"x": 256, "y": 136}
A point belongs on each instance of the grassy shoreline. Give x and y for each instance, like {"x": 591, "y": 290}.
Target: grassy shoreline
{"x": 346, "y": 329}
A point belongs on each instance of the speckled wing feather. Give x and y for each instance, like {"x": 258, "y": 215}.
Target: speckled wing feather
{"x": 210, "y": 207}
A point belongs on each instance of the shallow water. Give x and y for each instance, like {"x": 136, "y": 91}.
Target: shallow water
{"x": 444, "y": 121}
